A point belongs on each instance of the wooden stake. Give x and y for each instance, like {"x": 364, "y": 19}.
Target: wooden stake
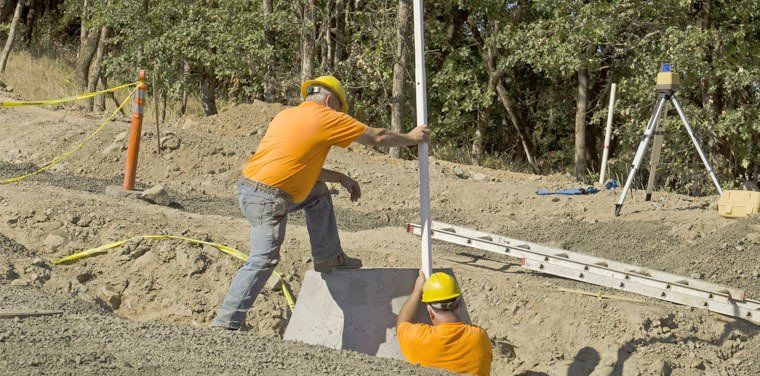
{"x": 155, "y": 109}
{"x": 602, "y": 296}
{"x": 29, "y": 313}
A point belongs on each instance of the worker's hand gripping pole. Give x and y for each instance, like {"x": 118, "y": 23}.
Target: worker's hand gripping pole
{"x": 422, "y": 119}
{"x": 133, "y": 150}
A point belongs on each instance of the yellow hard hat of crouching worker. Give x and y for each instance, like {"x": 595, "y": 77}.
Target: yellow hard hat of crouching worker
{"x": 330, "y": 83}
{"x": 440, "y": 287}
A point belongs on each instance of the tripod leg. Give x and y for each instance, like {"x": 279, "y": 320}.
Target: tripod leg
{"x": 696, "y": 145}
{"x": 656, "y": 148}
{"x": 639, "y": 154}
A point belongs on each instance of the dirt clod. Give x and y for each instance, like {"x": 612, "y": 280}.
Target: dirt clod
{"x": 156, "y": 195}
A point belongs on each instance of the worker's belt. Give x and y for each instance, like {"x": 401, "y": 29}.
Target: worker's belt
{"x": 259, "y": 186}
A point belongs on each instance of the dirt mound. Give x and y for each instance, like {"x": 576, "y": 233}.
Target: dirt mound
{"x": 550, "y": 330}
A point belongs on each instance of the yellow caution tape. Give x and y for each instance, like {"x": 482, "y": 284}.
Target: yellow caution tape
{"x": 223, "y": 248}
{"x": 64, "y": 100}
{"x": 69, "y": 153}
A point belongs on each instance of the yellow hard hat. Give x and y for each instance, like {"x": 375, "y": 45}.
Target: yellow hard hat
{"x": 330, "y": 83}
{"x": 440, "y": 287}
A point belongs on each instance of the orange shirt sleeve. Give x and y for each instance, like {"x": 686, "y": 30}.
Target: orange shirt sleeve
{"x": 343, "y": 129}
{"x": 410, "y": 338}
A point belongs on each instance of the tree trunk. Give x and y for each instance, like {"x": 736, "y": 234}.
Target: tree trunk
{"x": 327, "y": 40}
{"x": 162, "y": 108}
{"x": 495, "y": 82}
{"x": 598, "y": 91}
{"x": 85, "y": 58}
{"x": 340, "y": 30}
{"x": 48, "y": 45}
{"x": 349, "y": 23}
{"x": 399, "y": 69}
{"x": 525, "y": 138}
{"x": 97, "y": 66}
{"x": 208, "y": 94}
{"x": 11, "y": 35}
{"x": 330, "y": 38}
{"x": 112, "y": 95}
{"x": 82, "y": 29}
{"x": 184, "y": 74}
{"x": 307, "y": 41}
{"x": 453, "y": 37}
{"x": 269, "y": 40}
{"x": 581, "y": 106}
{"x": 30, "y": 21}
{"x": 100, "y": 100}
{"x": 484, "y": 120}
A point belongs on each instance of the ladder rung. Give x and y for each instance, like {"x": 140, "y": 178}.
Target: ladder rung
{"x": 640, "y": 272}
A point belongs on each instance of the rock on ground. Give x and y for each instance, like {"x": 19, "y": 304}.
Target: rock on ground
{"x": 157, "y": 195}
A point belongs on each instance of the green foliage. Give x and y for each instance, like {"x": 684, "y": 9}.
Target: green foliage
{"x": 538, "y": 47}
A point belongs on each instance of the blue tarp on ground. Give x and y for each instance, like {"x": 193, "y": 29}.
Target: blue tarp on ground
{"x": 568, "y": 192}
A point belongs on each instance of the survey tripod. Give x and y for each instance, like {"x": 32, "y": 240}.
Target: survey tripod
{"x": 667, "y": 83}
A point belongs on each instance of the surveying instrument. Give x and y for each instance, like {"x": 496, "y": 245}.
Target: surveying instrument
{"x": 667, "y": 82}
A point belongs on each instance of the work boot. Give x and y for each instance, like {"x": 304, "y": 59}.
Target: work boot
{"x": 339, "y": 261}
{"x": 224, "y": 328}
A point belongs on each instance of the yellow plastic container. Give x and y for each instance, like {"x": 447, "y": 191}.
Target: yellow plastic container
{"x": 737, "y": 204}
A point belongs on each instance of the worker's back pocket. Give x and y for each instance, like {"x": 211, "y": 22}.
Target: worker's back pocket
{"x": 255, "y": 209}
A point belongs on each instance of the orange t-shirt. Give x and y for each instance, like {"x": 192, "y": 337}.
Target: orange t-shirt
{"x": 295, "y": 146}
{"x": 455, "y": 347}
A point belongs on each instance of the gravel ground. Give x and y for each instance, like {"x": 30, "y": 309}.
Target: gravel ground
{"x": 88, "y": 340}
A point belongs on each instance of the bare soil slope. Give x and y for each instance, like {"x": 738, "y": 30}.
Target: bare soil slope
{"x": 172, "y": 289}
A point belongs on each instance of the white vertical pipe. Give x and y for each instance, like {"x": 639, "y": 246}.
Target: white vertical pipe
{"x": 422, "y": 119}
{"x": 608, "y": 134}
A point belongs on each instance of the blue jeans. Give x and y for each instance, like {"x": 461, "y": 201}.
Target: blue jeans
{"x": 267, "y": 214}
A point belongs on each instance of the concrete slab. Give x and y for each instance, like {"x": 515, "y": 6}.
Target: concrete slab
{"x": 354, "y": 310}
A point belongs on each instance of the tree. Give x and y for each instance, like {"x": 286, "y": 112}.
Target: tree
{"x": 308, "y": 37}
{"x": 496, "y": 83}
{"x": 484, "y": 120}
{"x": 581, "y": 164}
{"x": 90, "y": 37}
{"x": 97, "y": 67}
{"x": 340, "y": 30}
{"x": 270, "y": 38}
{"x": 399, "y": 69}
{"x": 11, "y": 36}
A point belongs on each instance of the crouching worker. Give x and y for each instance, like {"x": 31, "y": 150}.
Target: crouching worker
{"x": 449, "y": 343}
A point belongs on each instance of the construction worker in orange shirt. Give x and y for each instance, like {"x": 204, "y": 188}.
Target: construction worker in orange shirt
{"x": 285, "y": 174}
{"x": 449, "y": 343}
